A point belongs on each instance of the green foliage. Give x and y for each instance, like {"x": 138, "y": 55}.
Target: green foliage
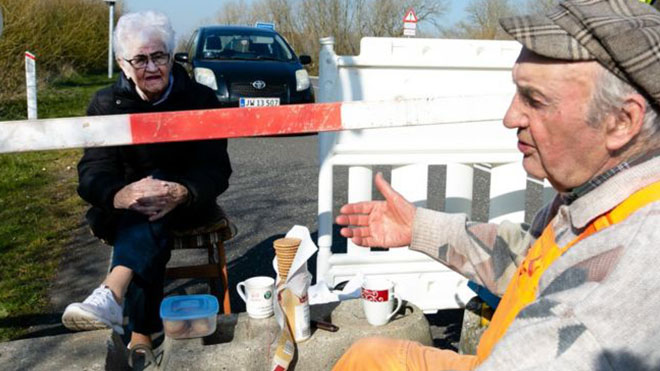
{"x": 65, "y": 35}
{"x": 61, "y": 98}
{"x": 39, "y": 207}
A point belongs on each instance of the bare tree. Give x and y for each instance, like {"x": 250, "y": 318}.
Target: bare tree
{"x": 482, "y": 20}
{"x": 237, "y": 12}
{"x": 430, "y": 12}
{"x": 303, "y": 22}
{"x": 337, "y": 18}
{"x": 384, "y": 18}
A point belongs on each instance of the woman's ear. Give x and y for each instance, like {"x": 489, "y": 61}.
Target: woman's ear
{"x": 626, "y": 123}
{"x": 124, "y": 66}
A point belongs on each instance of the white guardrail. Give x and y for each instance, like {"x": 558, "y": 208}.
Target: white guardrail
{"x": 400, "y": 69}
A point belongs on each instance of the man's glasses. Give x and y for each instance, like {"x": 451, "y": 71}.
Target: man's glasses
{"x": 141, "y": 61}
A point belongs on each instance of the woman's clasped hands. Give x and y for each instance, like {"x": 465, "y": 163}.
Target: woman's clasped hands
{"x": 152, "y": 197}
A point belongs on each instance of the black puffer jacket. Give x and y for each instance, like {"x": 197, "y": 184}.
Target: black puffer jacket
{"x": 202, "y": 166}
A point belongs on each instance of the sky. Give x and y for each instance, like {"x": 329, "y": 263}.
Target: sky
{"x": 186, "y": 15}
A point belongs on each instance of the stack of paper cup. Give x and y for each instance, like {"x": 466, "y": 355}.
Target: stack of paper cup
{"x": 285, "y": 251}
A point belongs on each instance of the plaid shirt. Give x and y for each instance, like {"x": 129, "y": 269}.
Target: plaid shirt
{"x": 602, "y": 178}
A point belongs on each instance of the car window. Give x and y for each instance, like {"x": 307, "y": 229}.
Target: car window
{"x": 225, "y": 44}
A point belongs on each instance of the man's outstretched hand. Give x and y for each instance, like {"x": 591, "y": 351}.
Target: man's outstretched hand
{"x": 379, "y": 223}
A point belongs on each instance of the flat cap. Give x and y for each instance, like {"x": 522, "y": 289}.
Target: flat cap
{"x": 622, "y": 35}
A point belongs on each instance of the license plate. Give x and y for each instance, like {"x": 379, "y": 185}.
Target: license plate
{"x": 259, "y": 102}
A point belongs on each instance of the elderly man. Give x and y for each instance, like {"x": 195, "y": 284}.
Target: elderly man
{"x": 580, "y": 288}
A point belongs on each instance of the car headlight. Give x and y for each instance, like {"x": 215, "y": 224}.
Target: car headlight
{"x": 206, "y": 77}
{"x": 302, "y": 80}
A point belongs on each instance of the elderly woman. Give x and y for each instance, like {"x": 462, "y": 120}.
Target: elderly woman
{"x": 139, "y": 193}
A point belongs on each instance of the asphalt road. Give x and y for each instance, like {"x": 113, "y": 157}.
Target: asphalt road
{"x": 273, "y": 187}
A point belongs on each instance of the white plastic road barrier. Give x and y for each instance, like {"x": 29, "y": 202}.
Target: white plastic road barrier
{"x": 399, "y": 69}
{"x": 97, "y": 131}
{"x": 31, "y": 84}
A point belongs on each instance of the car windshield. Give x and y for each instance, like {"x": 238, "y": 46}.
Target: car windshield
{"x": 223, "y": 44}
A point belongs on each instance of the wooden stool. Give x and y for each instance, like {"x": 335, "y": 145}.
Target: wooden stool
{"x": 210, "y": 237}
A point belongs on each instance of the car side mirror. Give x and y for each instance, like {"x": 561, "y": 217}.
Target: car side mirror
{"x": 305, "y": 59}
{"x": 181, "y": 57}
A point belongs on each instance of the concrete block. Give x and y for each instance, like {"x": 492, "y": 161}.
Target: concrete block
{"x": 79, "y": 351}
{"x": 250, "y": 345}
{"x": 240, "y": 344}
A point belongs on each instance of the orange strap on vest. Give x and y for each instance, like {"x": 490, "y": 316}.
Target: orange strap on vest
{"x": 524, "y": 284}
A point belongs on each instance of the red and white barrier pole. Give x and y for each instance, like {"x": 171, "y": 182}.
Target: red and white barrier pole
{"x": 98, "y": 131}
{"x": 31, "y": 84}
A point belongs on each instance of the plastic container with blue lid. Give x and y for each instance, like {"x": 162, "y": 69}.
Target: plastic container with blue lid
{"x": 189, "y": 316}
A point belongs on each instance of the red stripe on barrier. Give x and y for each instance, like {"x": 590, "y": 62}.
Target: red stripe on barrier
{"x": 30, "y": 55}
{"x": 234, "y": 122}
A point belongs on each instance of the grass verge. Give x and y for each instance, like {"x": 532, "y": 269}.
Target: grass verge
{"x": 39, "y": 207}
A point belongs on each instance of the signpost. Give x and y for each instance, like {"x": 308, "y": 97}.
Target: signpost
{"x": 0, "y": 21}
{"x": 409, "y": 23}
{"x": 111, "y": 20}
{"x": 31, "y": 82}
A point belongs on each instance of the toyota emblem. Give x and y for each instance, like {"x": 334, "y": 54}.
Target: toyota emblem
{"x": 258, "y": 84}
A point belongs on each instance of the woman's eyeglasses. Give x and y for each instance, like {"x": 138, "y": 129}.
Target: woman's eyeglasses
{"x": 141, "y": 61}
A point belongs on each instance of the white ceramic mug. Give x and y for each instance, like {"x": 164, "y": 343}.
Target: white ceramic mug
{"x": 378, "y": 300}
{"x": 257, "y": 293}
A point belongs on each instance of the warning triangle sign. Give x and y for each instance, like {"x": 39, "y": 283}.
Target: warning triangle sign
{"x": 410, "y": 16}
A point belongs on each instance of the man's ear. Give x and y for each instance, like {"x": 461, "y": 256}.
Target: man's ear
{"x": 627, "y": 122}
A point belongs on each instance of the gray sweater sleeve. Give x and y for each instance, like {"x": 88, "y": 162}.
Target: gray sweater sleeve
{"x": 485, "y": 253}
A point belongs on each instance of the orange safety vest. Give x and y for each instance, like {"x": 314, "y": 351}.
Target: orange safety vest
{"x": 524, "y": 285}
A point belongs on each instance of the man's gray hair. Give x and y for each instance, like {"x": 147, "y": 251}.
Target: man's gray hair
{"x": 140, "y": 28}
{"x": 609, "y": 95}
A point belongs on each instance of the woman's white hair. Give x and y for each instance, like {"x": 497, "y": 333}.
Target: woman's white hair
{"x": 609, "y": 95}
{"x": 142, "y": 27}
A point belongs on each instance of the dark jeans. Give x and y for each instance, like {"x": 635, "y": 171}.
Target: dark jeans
{"x": 142, "y": 246}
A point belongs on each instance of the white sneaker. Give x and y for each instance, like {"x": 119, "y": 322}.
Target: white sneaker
{"x": 100, "y": 310}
